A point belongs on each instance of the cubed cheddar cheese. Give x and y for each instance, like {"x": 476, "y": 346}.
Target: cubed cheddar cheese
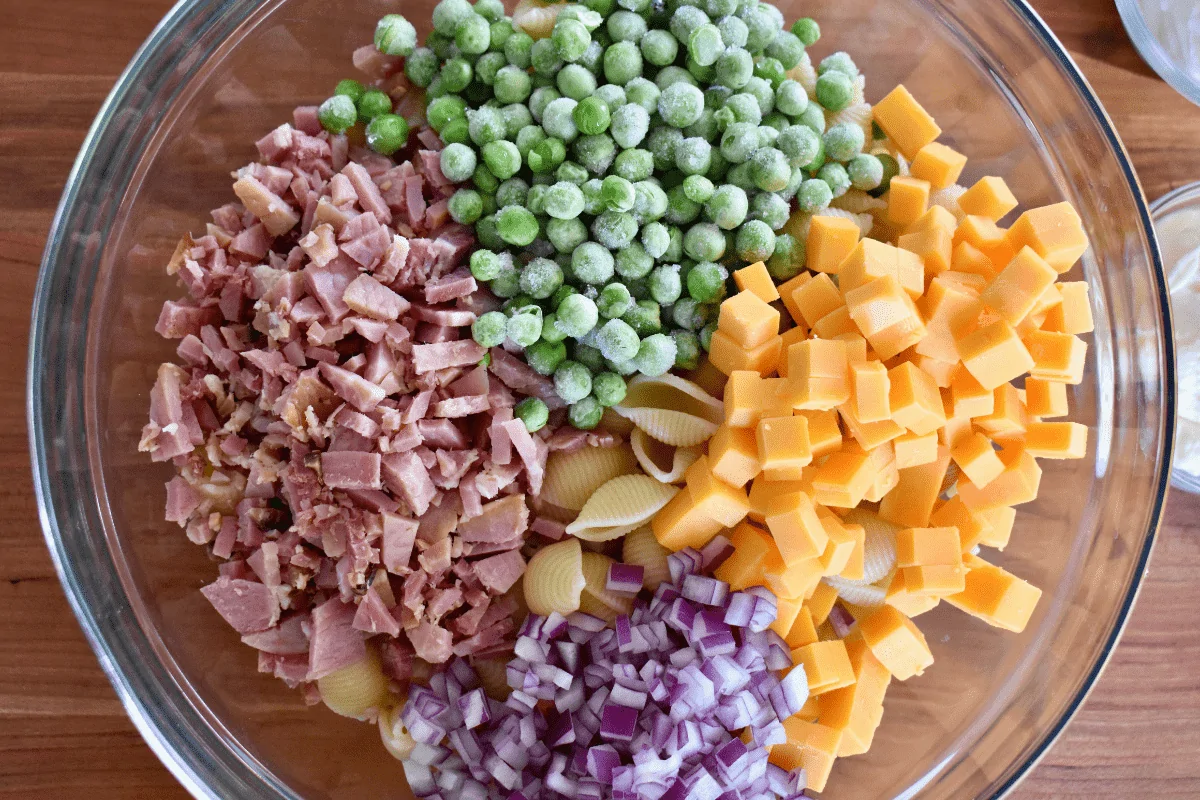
{"x": 936, "y": 217}
{"x": 1016, "y": 290}
{"x": 906, "y": 602}
{"x": 798, "y": 531}
{"x": 942, "y": 372}
{"x": 886, "y": 316}
{"x": 857, "y": 348}
{"x": 947, "y": 307}
{"x": 908, "y": 199}
{"x": 727, "y": 504}
{"x": 1074, "y": 313}
{"x": 1017, "y": 484}
{"x": 996, "y": 596}
{"x": 969, "y": 259}
{"x": 820, "y": 603}
{"x": 803, "y": 631}
{"x": 729, "y": 356}
{"x": 853, "y": 571}
{"x": 933, "y": 245}
{"x": 928, "y": 547}
{"x": 824, "y": 433}
{"x": 988, "y": 237}
{"x": 869, "y": 389}
{"x": 843, "y": 479}
{"x": 954, "y": 430}
{"x": 1008, "y": 416}
{"x": 841, "y": 546}
{"x": 777, "y": 397}
{"x": 913, "y": 450}
{"x": 786, "y": 339}
{"x": 911, "y": 502}
{"x": 811, "y": 747}
{"x": 787, "y": 293}
{"x": 755, "y": 278}
{"x": 976, "y": 457}
{"x": 783, "y": 447}
{"x": 787, "y": 609}
{"x": 935, "y": 581}
{"x": 973, "y": 528}
{"x": 869, "y": 435}
{"x": 752, "y": 549}
{"x": 871, "y": 260}
{"x": 748, "y": 320}
{"x": 990, "y": 197}
{"x": 1056, "y": 356}
{"x": 682, "y": 522}
{"x": 905, "y": 121}
{"x": 969, "y": 398}
{"x": 915, "y": 401}
{"x": 1046, "y": 398}
{"x": 816, "y": 298}
{"x": 822, "y": 365}
{"x": 883, "y": 462}
{"x": 1000, "y": 521}
{"x": 770, "y": 497}
{"x": 994, "y": 354}
{"x": 896, "y": 642}
{"x": 835, "y": 324}
{"x": 1055, "y": 232}
{"x": 856, "y": 710}
{"x": 733, "y": 455}
{"x": 743, "y": 399}
{"x": 1056, "y": 440}
{"x": 791, "y": 580}
{"x": 826, "y": 665}
{"x": 938, "y": 164}
{"x": 830, "y": 240}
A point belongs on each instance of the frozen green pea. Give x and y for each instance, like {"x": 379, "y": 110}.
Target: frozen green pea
{"x": 649, "y": 201}
{"x": 350, "y": 88}
{"x": 739, "y": 142}
{"x": 661, "y": 143}
{"x": 633, "y": 262}
{"x": 704, "y": 242}
{"x": 421, "y": 66}
{"x": 706, "y": 281}
{"x": 788, "y": 48}
{"x": 634, "y": 164}
{"x": 777, "y": 121}
{"x": 575, "y": 82}
{"x": 891, "y": 168}
{"x": 770, "y": 208}
{"x": 591, "y": 263}
{"x": 685, "y": 20}
{"x": 681, "y": 209}
{"x": 762, "y": 91}
{"x": 735, "y": 34}
{"x": 592, "y": 116}
{"x": 761, "y": 26}
{"x": 516, "y": 116}
{"x": 687, "y": 349}
{"x": 706, "y": 127}
{"x": 790, "y": 98}
{"x": 465, "y": 206}
{"x": 727, "y": 207}
{"x": 550, "y": 331}
{"x": 570, "y": 38}
{"x": 572, "y": 381}
{"x": 558, "y": 119}
{"x": 545, "y": 58}
{"x": 442, "y": 46}
{"x": 593, "y": 203}
{"x": 564, "y": 201}
{"x": 337, "y": 114}
{"x": 501, "y": 30}
{"x": 755, "y": 241}
{"x": 458, "y": 161}
{"x": 593, "y": 57}
{"x": 656, "y": 355}
{"x": 487, "y": 125}
{"x": 614, "y": 301}
{"x": 799, "y": 143}
{"x": 588, "y": 356}
{"x": 617, "y": 341}
{"x": 473, "y": 34}
{"x": 590, "y": 17}
{"x": 528, "y": 138}
{"x": 486, "y": 233}
{"x": 488, "y": 67}
{"x": 693, "y": 156}
{"x": 586, "y": 414}
{"x": 838, "y": 62}
{"x": 719, "y": 8}
{"x": 659, "y": 47}
{"x": 533, "y": 412}
{"x": 524, "y": 329}
{"x": 717, "y": 171}
{"x": 518, "y": 49}
{"x": 622, "y": 63}
{"x": 486, "y": 265}
{"x": 706, "y": 334}
{"x": 546, "y": 155}
{"x": 666, "y": 284}
{"x": 448, "y": 13}
{"x": 577, "y": 315}
{"x": 542, "y": 97}
{"x": 490, "y": 329}
{"x": 609, "y": 389}
{"x": 669, "y": 76}
{"x": 807, "y": 31}
{"x": 456, "y": 75}
{"x": 865, "y": 171}
{"x": 655, "y": 238}
{"x": 688, "y": 314}
{"x": 595, "y": 153}
{"x": 484, "y": 180}
{"x": 814, "y": 195}
{"x": 645, "y": 317}
{"x": 724, "y": 117}
{"x": 739, "y": 175}
{"x": 571, "y": 172}
{"x": 835, "y": 90}
{"x": 698, "y": 188}
{"x": 769, "y": 169}
{"x": 813, "y": 117}
{"x": 844, "y": 141}
{"x": 745, "y": 108}
{"x": 512, "y": 85}
{"x": 613, "y": 96}
{"x": 793, "y": 187}
{"x": 680, "y": 104}
{"x": 629, "y": 125}
{"x": 540, "y": 279}
{"x": 516, "y": 225}
{"x": 787, "y": 259}
{"x": 644, "y": 93}
{"x": 836, "y": 176}
{"x": 772, "y": 71}
{"x": 705, "y": 44}
{"x": 372, "y": 104}
{"x": 502, "y": 159}
{"x": 614, "y": 229}
{"x": 625, "y": 26}
{"x": 566, "y": 234}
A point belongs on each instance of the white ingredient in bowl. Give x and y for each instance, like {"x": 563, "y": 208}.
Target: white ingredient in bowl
{"x": 1184, "y": 283}
{"x": 1176, "y": 26}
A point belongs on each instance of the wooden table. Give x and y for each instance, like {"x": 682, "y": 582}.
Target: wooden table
{"x": 63, "y": 733}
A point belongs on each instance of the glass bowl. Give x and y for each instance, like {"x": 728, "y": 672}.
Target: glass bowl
{"x": 1166, "y": 41}
{"x": 218, "y": 74}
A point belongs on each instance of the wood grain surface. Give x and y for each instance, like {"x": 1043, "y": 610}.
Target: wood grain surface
{"x": 63, "y": 734}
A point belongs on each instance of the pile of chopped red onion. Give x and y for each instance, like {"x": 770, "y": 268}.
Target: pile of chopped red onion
{"x": 650, "y": 709}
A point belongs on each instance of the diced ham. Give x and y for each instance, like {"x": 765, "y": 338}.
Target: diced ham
{"x": 374, "y": 617}
{"x": 285, "y": 639}
{"x": 291, "y": 669}
{"x": 533, "y": 453}
{"x": 441, "y": 433}
{"x": 350, "y": 470}
{"x": 467, "y": 623}
{"x": 548, "y": 528}
{"x": 369, "y": 197}
{"x": 276, "y": 143}
{"x": 431, "y": 357}
{"x": 475, "y": 382}
{"x": 247, "y": 606}
{"x": 178, "y": 320}
{"x": 459, "y": 283}
{"x": 501, "y": 520}
{"x": 320, "y": 244}
{"x": 417, "y": 408}
{"x": 394, "y": 260}
{"x": 520, "y": 377}
{"x": 370, "y": 248}
{"x": 396, "y": 656}
{"x": 265, "y": 563}
{"x": 458, "y": 407}
{"x": 374, "y": 64}
{"x": 436, "y": 558}
{"x": 487, "y": 637}
{"x": 431, "y": 642}
{"x": 408, "y": 478}
{"x": 334, "y": 643}
{"x": 270, "y": 208}
{"x": 254, "y": 243}
{"x": 328, "y": 285}
{"x": 305, "y": 119}
{"x": 371, "y": 298}
{"x": 445, "y": 317}
{"x": 399, "y": 534}
{"x": 182, "y": 501}
{"x": 355, "y": 390}
{"x": 499, "y": 573}
{"x": 307, "y": 392}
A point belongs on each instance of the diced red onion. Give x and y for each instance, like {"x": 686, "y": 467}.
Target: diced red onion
{"x": 715, "y": 553}
{"x": 683, "y": 563}
{"x": 627, "y": 697}
{"x": 618, "y": 723}
{"x": 625, "y": 578}
{"x": 841, "y": 621}
{"x": 707, "y": 591}
{"x": 474, "y": 709}
{"x": 740, "y": 609}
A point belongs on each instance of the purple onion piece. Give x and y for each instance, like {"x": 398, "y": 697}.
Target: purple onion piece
{"x": 625, "y": 578}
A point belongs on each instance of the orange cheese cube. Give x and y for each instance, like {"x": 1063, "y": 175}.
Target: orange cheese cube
{"x": 824, "y": 433}
{"x": 937, "y": 217}
{"x": 826, "y": 665}
{"x": 1016, "y": 290}
{"x": 947, "y": 307}
{"x": 728, "y": 356}
{"x": 797, "y": 530}
{"x": 1055, "y": 232}
{"x": 856, "y": 710}
{"x": 743, "y": 399}
{"x": 972, "y": 527}
{"x": 938, "y": 164}
{"x": 908, "y": 199}
{"x": 928, "y": 547}
{"x": 683, "y": 522}
{"x": 856, "y": 346}
{"x": 933, "y": 245}
{"x": 786, "y": 339}
{"x": 988, "y": 237}
{"x": 835, "y": 324}
{"x": 977, "y": 459}
{"x": 996, "y": 596}
{"x": 936, "y": 581}
{"x": 969, "y": 398}
{"x": 869, "y": 389}
{"x": 830, "y": 240}
{"x": 787, "y": 609}
{"x": 905, "y": 122}
{"x": 1046, "y": 398}
{"x": 869, "y": 435}
{"x": 883, "y": 462}
{"x": 853, "y": 570}
{"x": 1056, "y": 356}
{"x": 911, "y": 502}
{"x": 771, "y": 497}
{"x": 1074, "y": 313}
{"x": 990, "y": 197}
{"x": 733, "y": 455}
{"x": 906, "y": 602}
{"x": 777, "y": 397}
{"x": 783, "y": 447}
{"x": 821, "y": 602}
{"x": 969, "y": 259}
{"x": 842, "y": 543}
{"x": 871, "y": 260}
{"x": 819, "y": 394}
{"x": 819, "y": 358}
{"x": 913, "y": 450}
{"x": 843, "y": 479}
{"x": 1056, "y": 440}
{"x": 748, "y": 320}
{"x": 811, "y": 747}
{"x": 787, "y": 292}
{"x": 817, "y": 298}
{"x": 916, "y": 402}
{"x": 942, "y": 372}
{"x": 1008, "y": 417}
{"x": 886, "y": 315}
{"x": 1000, "y": 521}
{"x": 994, "y": 354}
{"x": 755, "y": 278}
{"x": 726, "y": 504}
{"x": 791, "y": 580}
{"x": 955, "y": 429}
{"x": 896, "y": 642}
{"x": 1017, "y": 484}
{"x": 803, "y": 631}
{"x": 752, "y": 549}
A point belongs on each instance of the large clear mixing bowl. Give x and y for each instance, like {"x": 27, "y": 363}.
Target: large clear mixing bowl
{"x": 218, "y": 74}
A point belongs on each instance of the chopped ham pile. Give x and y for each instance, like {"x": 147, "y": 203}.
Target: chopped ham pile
{"x": 341, "y": 445}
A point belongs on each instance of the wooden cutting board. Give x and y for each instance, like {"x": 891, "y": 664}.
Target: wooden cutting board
{"x": 63, "y": 734}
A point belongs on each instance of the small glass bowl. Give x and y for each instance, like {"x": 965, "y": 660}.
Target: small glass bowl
{"x": 1182, "y": 79}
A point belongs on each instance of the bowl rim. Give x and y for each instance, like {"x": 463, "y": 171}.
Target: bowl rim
{"x": 179, "y": 766}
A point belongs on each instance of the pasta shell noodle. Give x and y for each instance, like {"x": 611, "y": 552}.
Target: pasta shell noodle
{"x": 596, "y": 599}
{"x": 673, "y": 393}
{"x": 671, "y": 427}
{"x": 868, "y": 595}
{"x": 879, "y": 550}
{"x": 554, "y": 578}
{"x": 395, "y": 736}
{"x": 662, "y": 462}
{"x": 571, "y": 478}
{"x": 625, "y": 500}
{"x": 641, "y": 548}
{"x": 357, "y": 690}
{"x": 607, "y": 533}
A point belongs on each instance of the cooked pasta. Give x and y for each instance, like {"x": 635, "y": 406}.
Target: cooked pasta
{"x": 879, "y": 551}
{"x": 536, "y": 18}
{"x": 554, "y": 578}
{"x": 864, "y": 221}
{"x": 805, "y": 74}
{"x": 662, "y": 462}
{"x": 673, "y": 393}
{"x": 625, "y": 500}
{"x": 856, "y": 201}
{"x": 858, "y": 94}
{"x": 395, "y": 736}
{"x": 358, "y": 690}
{"x": 868, "y": 595}
{"x": 859, "y": 113}
{"x": 641, "y": 548}
{"x": 607, "y": 533}
{"x": 596, "y": 599}
{"x": 948, "y": 199}
{"x": 615, "y": 423}
{"x": 671, "y": 427}
{"x": 571, "y": 478}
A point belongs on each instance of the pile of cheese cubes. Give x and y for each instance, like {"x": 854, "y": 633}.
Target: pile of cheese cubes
{"x": 887, "y": 377}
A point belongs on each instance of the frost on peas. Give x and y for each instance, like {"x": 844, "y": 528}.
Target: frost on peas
{"x": 575, "y": 81}
{"x": 592, "y": 116}
{"x": 540, "y": 279}
{"x": 844, "y": 141}
{"x": 769, "y": 169}
{"x": 614, "y": 229}
{"x": 490, "y": 329}
{"x": 545, "y": 58}
{"x": 799, "y": 143}
{"x": 745, "y": 108}
{"x": 528, "y": 138}
{"x": 593, "y": 202}
{"x": 680, "y": 104}
{"x": 838, "y": 62}
{"x": 617, "y": 341}
{"x": 633, "y": 262}
{"x": 488, "y": 67}
{"x": 705, "y": 44}
{"x": 680, "y": 208}
{"x": 502, "y": 158}
{"x": 698, "y": 188}
{"x": 473, "y": 35}
{"x": 625, "y": 26}
{"x": 591, "y": 263}
{"x": 486, "y": 265}
{"x": 545, "y": 158}
{"x": 564, "y": 201}
{"x": 541, "y": 97}
{"x": 457, "y": 162}
{"x": 448, "y": 13}
{"x": 739, "y": 175}
{"x": 790, "y": 98}
{"x": 571, "y": 172}
{"x": 395, "y": 36}
{"x": 644, "y": 93}
{"x": 705, "y": 242}
{"x": 634, "y": 164}
{"x": 558, "y": 119}
{"x": 666, "y": 284}
{"x": 659, "y": 48}
{"x": 614, "y": 301}
{"x": 655, "y": 239}
{"x": 577, "y": 315}
{"x": 516, "y": 225}
{"x": 762, "y": 91}
{"x": 771, "y": 209}
{"x": 771, "y": 70}
{"x": 518, "y": 49}
{"x": 685, "y": 20}
{"x": 570, "y": 38}
{"x": 536, "y": 202}
{"x": 669, "y": 76}
{"x": 421, "y": 66}
{"x": 533, "y": 412}
{"x": 465, "y": 206}
{"x": 545, "y": 357}
{"x": 612, "y": 95}
{"x": 586, "y": 414}
{"x": 706, "y": 127}
{"x": 693, "y": 156}
{"x": 649, "y": 201}
{"x": 661, "y": 143}
{"x": 836, "y": 176}
{"x": 516, "y": 116}
{"x": 835, "y": 89}
{"x": 617, "y": 193}
{"x": 622, "y": 63}
{"x": 456, "y": 131}
{"x": 739, "y": 141}
{"x": 687, "y": 349}
{"x": 566, "y": 234}
{"x": 689, "y": 314}
{"x": 727, "y": 208}
{"x": 629, "y": 125}
{"x": 595, "y": 153}
{"x": 592, "y": 57}
{"x": 337, "y": 114}
{"x": 609, "y": 389}
{"x": 866, "y": 172}
{"x": 524, "y": 329}
{"x": 814, "y": 195}
{"x": 734, "y": 33}
{"x": 645, "y": 317}
{"x": 787, "y": 259}
{"x": 755, "y": 241}
{"x": 656, "y": 355}
{"x": 706, "y": 281}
